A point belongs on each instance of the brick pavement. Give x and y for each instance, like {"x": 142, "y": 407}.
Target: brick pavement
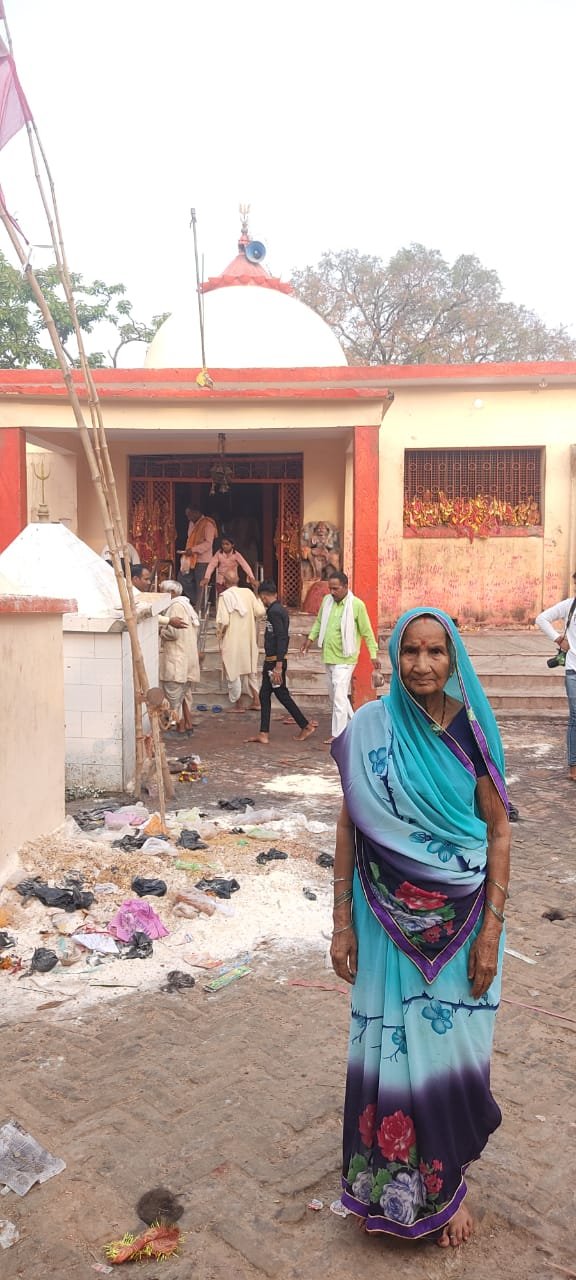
{"x": 234, "y": 1100}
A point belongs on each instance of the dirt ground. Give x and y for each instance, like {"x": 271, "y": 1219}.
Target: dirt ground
{"x": 234, "y": 1099}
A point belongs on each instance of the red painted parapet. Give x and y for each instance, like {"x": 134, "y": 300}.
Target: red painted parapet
{"x": 365, "y": 550}
{"x": 13, "y": 495}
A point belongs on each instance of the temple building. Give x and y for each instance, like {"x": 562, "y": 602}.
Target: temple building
{"x": 449, "y": 484}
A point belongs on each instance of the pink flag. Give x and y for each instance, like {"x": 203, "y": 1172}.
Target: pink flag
{"x": 14, "y": 109}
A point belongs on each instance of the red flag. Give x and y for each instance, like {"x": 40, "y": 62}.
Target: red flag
{"x": 14, "y": 109}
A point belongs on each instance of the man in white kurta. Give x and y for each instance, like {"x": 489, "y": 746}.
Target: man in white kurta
{"x": 179, "y": 663}
{"x": 236, "y": 617}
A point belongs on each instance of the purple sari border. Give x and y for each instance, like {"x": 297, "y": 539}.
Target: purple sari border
{"x": 417, "y": 1230}
{"x": 430, "y": 969}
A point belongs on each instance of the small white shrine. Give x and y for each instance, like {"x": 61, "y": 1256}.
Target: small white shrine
{"x": 47, "y": 559}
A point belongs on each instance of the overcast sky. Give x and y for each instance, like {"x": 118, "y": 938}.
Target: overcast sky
{"x": 364, "y": 125}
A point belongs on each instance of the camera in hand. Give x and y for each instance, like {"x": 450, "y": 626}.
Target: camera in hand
{"x": 559, "y": 659}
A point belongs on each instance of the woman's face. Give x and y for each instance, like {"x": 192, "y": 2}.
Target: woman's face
{"x": 424, "y": 657}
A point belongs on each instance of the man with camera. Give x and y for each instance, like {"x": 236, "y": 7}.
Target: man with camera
{"x": 564, "y": 612}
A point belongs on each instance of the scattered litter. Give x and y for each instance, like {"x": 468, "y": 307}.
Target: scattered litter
{"x": 23, "y": 1161}
{"x": 201, "y": 706}
{"x": 553, "y": 914}
{"x": 339, "y": 1209}
{"x": 271, "y": 855}
{"x": 537, "y": 1008}
{"x": 129, "y": 843}
{"x": 541, "y": 1118}
{"x": 136, "y": 916}
{"x": 130, "y": 815}
{"x": 153, "y": 827}
{"x": 513, "y": 814}
{"x": 101, "y": 943}
{"x": 159, "y": 1205}
{"x": 316, "y": 1205}
{"x": 157, "y": 1242}
{"x": 217, "y": 709}
{"x": 309, "y": 893}
{"x": 325, "y": 860}
{"x": 70, "y": 898}
{"x": 67, "y": 952}
{"x": 202, "y": 902}
{"x": 182, "y": 865}
{"x": 9, "y": 1233}
{"x": 90, "y": 819}
{"x": 106, "y": 886}
{"x": 11, "y": 964}
{"x": 190, "y": 840}
{"x": 219, "y": 886}
{"x": 102, "y": 1269}
{"x": 518, "y": 955}
{"x": 237, "y": 803}
{"x": 237, "y": 831}
{"x": 142, "y": 886}
{"x": 156, "y": 844}
{"x": 6, "y": 941}
{"x": 260, "y": 833}
{"x": 43, "y": 960}
{"x": 318, "y": 986}
{"x": 177, "y": 981}
{"x": 141, "y": 948}
{"x": 226, "y": 978}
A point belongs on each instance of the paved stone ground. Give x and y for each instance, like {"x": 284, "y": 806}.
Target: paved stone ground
{"x": 234, "y": 1100}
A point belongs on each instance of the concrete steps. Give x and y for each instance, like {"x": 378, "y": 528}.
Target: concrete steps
{"x": 510, "y": 664}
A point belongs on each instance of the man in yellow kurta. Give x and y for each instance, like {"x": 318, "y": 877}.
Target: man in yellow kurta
{"x": 238, "y": 611}
{"x": 341, "y": 625}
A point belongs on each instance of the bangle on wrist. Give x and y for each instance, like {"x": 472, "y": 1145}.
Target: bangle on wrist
{"x": 343, "y": 897}
{"x": 495, "y": 910}
{"x": 345, "y": 929}
{"x": 345, "y": 879}
{"x": 497, "y": 885}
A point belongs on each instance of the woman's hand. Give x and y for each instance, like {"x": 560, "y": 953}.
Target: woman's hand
{"x": 483, "y": 960}
{"x": 344, "y": 954}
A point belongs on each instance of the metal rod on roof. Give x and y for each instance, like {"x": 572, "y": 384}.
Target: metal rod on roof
{"x": 198, "y": 286}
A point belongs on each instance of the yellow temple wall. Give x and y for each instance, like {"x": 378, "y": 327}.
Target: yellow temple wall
{"x": 498, "y": 580}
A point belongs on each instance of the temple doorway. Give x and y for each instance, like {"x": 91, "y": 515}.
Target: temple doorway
{"x": 261, "y": 510}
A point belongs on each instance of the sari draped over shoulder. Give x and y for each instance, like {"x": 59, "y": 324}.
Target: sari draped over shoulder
{"x": 418, "y": 1102}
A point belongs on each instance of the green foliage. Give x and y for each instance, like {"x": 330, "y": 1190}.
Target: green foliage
{"x": 417, "y": 309}
{"x": 24, "y": 342}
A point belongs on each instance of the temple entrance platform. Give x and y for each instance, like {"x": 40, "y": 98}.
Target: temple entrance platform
{"x": 510, "y": 663}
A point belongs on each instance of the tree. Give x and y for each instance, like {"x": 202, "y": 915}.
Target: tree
{"x": 417, "y": 309}
{"x": 22, "y": 333}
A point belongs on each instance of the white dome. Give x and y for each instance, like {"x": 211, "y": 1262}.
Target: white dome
{"x": 246, "y": 327}
{"x": 49, "y": 560}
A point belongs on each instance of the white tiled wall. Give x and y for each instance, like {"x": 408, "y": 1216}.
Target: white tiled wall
{"x": 98, "y": 702}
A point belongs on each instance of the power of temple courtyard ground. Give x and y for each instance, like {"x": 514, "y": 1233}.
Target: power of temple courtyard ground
{"x": 452, "y": 486}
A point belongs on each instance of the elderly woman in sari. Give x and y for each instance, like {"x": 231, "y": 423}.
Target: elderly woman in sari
{"x": 179, "y": 662}
{"x": 421, "y": 881}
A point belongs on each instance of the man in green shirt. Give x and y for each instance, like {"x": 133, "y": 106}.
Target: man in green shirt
{"x": 340, "y": 627}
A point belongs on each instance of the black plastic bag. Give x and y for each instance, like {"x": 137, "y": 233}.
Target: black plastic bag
{"x": 6, "y": 940}
{"x": 140, "y": 947}
{"x": 325, "y": 860}
{"x": 178, "y": 981}
{"x": 128, "y": 843}
{"x": 142, "y": 886}
{"x": 43, "y": 960}
{"x": 271, "y": 855}
{"x": 219, "y": 886}
{"x": 190, "y": 840}
{"x": 309, "y": 893}
{"x": 71, "y": 898}
{"x": 237, "y": 803}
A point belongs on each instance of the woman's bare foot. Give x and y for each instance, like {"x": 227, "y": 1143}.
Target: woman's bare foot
{"x": 262, "y": 738}
{"x": 305, "y": 732}
{"x": 458, "y": 1230}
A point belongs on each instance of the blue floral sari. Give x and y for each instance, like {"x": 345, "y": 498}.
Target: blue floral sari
{"x": 418, "y": 1104}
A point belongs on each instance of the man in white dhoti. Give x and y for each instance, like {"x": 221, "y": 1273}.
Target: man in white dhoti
{"x": 236, "y": 617}
{"x": 179, "y": 663}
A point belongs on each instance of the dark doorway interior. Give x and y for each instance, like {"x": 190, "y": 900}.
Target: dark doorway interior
{"x": 248, "y": 513}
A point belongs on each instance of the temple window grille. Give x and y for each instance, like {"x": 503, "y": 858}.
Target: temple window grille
{"x": 512, "y": 476}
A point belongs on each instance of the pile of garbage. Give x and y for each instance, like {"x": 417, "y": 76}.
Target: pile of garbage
{"x": 207, "y": 891}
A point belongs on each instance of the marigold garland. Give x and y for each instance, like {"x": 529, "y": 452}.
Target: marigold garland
{"x": 480, "y": 517}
